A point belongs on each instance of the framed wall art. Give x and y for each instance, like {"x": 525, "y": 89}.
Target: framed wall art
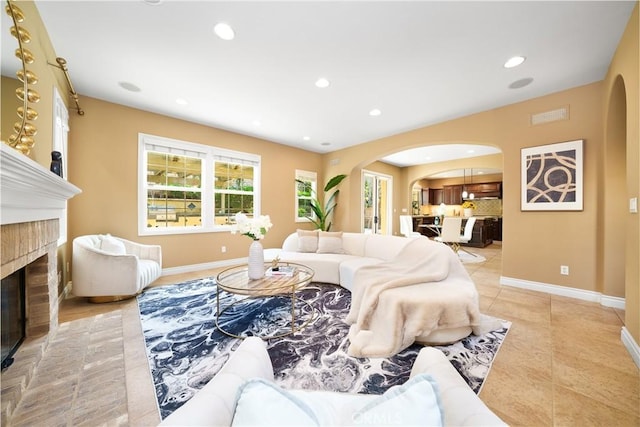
{"x": 552, "y": 177}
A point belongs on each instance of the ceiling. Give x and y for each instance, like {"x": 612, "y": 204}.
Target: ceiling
{"x": 418, "y": 62}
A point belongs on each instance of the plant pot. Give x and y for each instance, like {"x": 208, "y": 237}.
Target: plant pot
{"x": 468, "y": 212}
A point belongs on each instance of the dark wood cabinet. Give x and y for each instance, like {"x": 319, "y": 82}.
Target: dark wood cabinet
{"x": 436, "y": 196}
{"x": 485, "y": 189}
{"x": 452, "y": 194}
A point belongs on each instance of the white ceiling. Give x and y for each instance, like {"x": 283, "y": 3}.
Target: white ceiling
{"x": 419, "y": 62}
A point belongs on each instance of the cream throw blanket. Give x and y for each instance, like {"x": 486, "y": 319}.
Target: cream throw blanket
{"x": 424, "y": 288}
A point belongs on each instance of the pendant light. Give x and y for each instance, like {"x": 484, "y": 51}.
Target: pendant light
{"x": 471, "y": 195}
{"x": 464, "y": 182}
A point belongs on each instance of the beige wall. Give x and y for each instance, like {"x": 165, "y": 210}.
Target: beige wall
{"x": 551, "y": 237}
{"x": 620, "y": 230}
{"x": 103, "y": 156}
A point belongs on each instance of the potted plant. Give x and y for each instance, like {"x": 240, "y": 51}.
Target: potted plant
{"x": 468, "y": 206}
{"x": 323, "y": 212}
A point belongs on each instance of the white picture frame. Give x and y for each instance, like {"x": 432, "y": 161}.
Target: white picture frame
{"x": 552, "y": 177}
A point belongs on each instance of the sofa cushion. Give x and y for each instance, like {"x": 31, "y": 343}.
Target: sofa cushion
{"x": 307, "y": 240}
{"x": 330, "y": 242}
{"x": 349, "y": 267}
{"x": 110, "y": 244}
{"x": 261, "y": 402}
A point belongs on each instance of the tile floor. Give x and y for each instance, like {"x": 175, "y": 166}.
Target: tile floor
{"x": 562, "y": 363}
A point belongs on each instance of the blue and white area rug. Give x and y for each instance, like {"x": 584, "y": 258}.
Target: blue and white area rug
{"x": 185, "y": 348}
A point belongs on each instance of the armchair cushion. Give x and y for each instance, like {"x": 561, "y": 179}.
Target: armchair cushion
{"x": 112, "y": 245}
{"x": 264, "y": 403}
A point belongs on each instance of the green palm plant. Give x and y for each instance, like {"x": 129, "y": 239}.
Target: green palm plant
{"x": 323, "y": 212}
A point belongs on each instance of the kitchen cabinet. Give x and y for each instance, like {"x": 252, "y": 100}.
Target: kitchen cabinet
{"x": 485, "y": 189}
{"x": 436, "y": 196}
{"x": 452, "y": 194}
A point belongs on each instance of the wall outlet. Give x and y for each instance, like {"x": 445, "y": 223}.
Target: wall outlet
{"x": 223, "y": 249}
{"x": 564, "y": 270}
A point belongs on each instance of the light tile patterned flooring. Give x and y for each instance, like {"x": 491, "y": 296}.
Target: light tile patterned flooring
{"x": 562, "y": 363}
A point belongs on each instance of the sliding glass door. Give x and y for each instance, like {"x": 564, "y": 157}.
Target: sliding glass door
{"x": 376, "y": 203}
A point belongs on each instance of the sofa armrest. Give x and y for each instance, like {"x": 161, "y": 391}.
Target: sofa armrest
{"x": 461, "y": 406}
{"x": 152, "y": 252}
{"x": 214, "y": 404}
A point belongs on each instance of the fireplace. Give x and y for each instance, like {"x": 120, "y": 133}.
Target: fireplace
{"x": 32, "y": 199}
{"x": 13, "y": 324}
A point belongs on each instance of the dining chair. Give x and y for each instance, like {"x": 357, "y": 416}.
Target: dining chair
{"x": 468, "y": 233}
{"x": 450, "y": 234}
{"x": 406, "y": 227}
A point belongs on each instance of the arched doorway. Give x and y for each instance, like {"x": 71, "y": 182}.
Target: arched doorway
{"x": 615, "y": 205}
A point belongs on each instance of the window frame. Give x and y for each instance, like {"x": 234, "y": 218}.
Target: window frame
{"x": 209, "y": 155}
{"x": 304, "y": 175}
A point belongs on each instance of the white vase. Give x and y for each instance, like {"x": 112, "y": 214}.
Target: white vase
{"x": 468, "y": 212}
{"x": 256, "y": 260}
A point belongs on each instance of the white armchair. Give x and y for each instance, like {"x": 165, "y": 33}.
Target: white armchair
{"x": 107, "y": 268}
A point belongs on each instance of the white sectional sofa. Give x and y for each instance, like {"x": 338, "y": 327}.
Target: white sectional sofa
{"x": 455, "y": 404}
{"x": 337, "y": 257}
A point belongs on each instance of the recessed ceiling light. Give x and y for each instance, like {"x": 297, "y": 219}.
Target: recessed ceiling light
{"x": 257, "y": 123}
{"x": 521, "y": 83}
{"x": 471, "y": 151}
{"x": 375, "y": 112}
{"x": 514, "y": 61}
{"x": 322, "y": 83}
{"x": 129, "y": 86}
{"x": 224, "y": 31}
{"x": 152, "y": 2}
{"x": 325, "y": 144}
{"x": 306, "y": 138}
{"x": 181, "y": 101}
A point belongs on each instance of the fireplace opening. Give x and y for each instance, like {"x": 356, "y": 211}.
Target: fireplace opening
{"x": 13, "y": 326}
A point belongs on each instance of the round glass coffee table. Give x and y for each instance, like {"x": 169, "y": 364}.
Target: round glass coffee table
{"x": 290, "y": 279}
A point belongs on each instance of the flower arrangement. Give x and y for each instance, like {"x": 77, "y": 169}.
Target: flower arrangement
{"x": 468, "y": 204}
{"x": 256, "y": 228}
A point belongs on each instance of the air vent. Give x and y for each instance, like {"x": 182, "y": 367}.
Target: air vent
{"x": 550, "y": 116}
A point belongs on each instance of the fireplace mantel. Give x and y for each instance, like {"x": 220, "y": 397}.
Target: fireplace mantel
{"x": 29, "y": 192}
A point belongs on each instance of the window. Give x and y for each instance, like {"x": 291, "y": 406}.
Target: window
{"x": 306, "y": 190}
{"x": 60, "y": 144}
{"x": 190, "y": 188}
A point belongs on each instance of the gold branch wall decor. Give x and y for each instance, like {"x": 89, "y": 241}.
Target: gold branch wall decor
{"x": 22, "y": 140}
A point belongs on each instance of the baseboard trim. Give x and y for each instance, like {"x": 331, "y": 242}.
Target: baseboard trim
{"x": 632, "y": 347}
{"x": 204, "y": 266}
{"x": 605, "y": 300}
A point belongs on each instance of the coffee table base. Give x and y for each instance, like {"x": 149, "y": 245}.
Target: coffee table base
{"x": 294, "y": 329}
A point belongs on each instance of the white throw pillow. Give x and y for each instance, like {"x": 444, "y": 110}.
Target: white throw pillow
{"x": 307, "y": 241}
{"x": 330, "y": 242}
{"x": 261, "y": 402}
{"x": 112, "y": 245}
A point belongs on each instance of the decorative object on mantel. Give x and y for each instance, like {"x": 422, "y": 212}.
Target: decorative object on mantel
{"x": 23, "y": 140}
{"x": 62, "y": 64}
{"x": 255, "y": 228}
{"x": 56, "y": 163}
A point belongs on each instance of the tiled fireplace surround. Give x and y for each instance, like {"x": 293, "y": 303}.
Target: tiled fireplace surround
{"x": 31, "y": 201}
